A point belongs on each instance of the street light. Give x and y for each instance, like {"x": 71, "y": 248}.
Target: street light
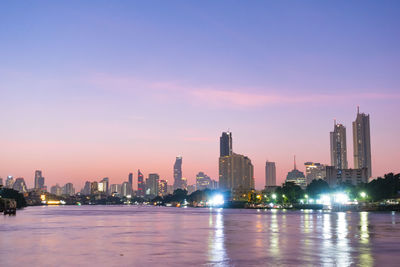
{"x": 363, "y": 194}
{"x": 274, "y": 196}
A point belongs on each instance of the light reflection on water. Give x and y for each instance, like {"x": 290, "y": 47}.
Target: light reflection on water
{"x": 157, "y": 236}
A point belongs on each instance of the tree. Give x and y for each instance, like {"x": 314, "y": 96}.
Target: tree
{"x": 317, "y": 187}
{"x": 13, "y": 194}
{"x": 293, "y": 193}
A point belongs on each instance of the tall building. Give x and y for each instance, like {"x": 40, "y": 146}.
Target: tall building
{"x": 56, "y": 190}
{"x": 130, "y": 179}
{"x": 162, "y": 187}
{"x": 236, "y": 173}
{"x": 103, "y": 185}
{"x": 296, "y": 176}
{"x": 225, "y": 144}
{"x": 126, "y": 189}
{"x": 178, "y": 183}
{"x": 152, "y": 183}
{"x": 68, "y": 189}
{"x": 1, "y": 181}
{"x": 115, "y": 189}
{"x": 141, "y": 192}
{"x": 86, "y": 189}
{"x": 362, "y": 142}
{"x": 270, "y": 174}
{"x": 39, "y": 180}
{"x": 203, "y": 181}
{"x": 20, "y": 185}
{"x": 338, "y": 146}
{"x": 315, "y": 171}
{"x": 94, "y": 188}
{"x": 9, "y": 182}
{"x": 335, "y": 176}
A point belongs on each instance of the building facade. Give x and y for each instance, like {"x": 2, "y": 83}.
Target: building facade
{"x": 362, "y": 142}
{"x": 20, "y": 185}
{"x": 314, "y": 171}
{"x": 203, "y": 181}
{"x": 141, "y": 192}
{"x": 236, "y": 173}
{"x": 152, "y": 184}
{"x": 178, "y": 183}
{"x": 270, "y": 174}
{"x": 225, "y": 144}
{"x": 335, "y": 176}
{"x": 338, "y": 147}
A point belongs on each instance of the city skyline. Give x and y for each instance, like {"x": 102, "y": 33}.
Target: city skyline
{"x": 101, "y": 91}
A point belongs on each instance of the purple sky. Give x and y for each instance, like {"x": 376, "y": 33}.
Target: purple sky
{"x": 99, "y": 89}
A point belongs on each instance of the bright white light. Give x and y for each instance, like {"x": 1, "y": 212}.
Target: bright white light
{"x": 217, "y": 200}
{"x": 341, "y": 198}
{"x": 363, "y": 194}
{"x": 274, "y": 196}
{"x": 324, "y": 199}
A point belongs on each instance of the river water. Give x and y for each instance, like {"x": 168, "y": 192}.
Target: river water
{"x": 161, "y": 236}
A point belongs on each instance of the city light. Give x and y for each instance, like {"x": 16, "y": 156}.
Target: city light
{"x": 274, "y": 196}
{"x": 217, "y": 200}
{"x": 341, "y": 198}
{"x": 363, "y": 194}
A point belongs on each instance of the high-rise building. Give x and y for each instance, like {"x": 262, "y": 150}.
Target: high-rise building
{"x": 56, "y": 190}
{"x": 94, "y": 188}
{"x": 1, "y": 181}
{"x": 141, "y": 185}
{"x": 362, "y": 142}
{"x": 9, "y": 182}
{"x": 178, "y": 183}
{"x": 203, "y": 181}
{"x": 296, "y": 176}
{"x": 20, "y": 185}
{"x": 315, "y": 171}
{"x": 115, "y": 189}
{"x": 270, "y": 174}
{"x": 126, "y": 189}
{"x": 103, "y": 185}
{"x": 152, "y": 183}
{"x": 68, "y": 189}
{"x": 225, "y": 144}
{"x": 338, "y": 146}
{"x": 39, "y": 180}
{"x": 162, "y": 187}
{"x": 335, "y": 176}
{"x": 130, "y": 179}
{"x": 86, "y": 189}
{"x": 236, "y": 172}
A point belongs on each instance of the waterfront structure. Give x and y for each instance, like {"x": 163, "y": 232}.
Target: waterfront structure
{"x": 338, "y": 146}
{"x": 141, "y": 185}
{"x": 270, "y": 174}
{"x": 335, "y": 176}
{"x": 39, "y": 181}
{"x": 296, "y": 176}
{"x": 314, "y": 171}
{"x": 56, "y": 190}
{"x": 152, "y": 183}
{"x": 225, "y": 144}
{"x": 362, "y": 142}
{"x": 178, "y": 183}
{"x": 162, "y": 187}
{"x": 203, "y": 181}
{"x": 20, "y": 185}
{"x": 68, "y": 189}
{"x": 236, "y": 172}
{"x": 9, "y": 182}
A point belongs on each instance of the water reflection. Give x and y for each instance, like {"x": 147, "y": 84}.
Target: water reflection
{"x": 365, "y": 258}
{"x": 342, "y": 246}
{"x": 216, "y": 244}
{"x": 274, "y": 234}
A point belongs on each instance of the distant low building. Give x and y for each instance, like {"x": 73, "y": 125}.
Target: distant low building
{"x": 56, "y": 190}
{"x": 336, "y": 176}
{"x": 314, "y": 171}
{"x": 162, "y": 187}
{"x": 296, "y": 176}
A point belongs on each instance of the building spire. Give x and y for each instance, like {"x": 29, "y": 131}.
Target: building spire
{"x": 295, "y": 162}
{"x": 358, "y": 110}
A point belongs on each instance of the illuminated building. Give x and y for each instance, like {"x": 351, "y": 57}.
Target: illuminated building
{"x": 130, "y": 179}
{"x": 103, "y": 185}
{"x": 178, "y": 183}
{"x": 68, "y": 189}
{"x": 225, "y": 144}
{"x": 335, "y": 176}
{"x": 270, "y": 174}
{"x": 39, "y": 181}
{"x": 115, "y": 189}
{"x": 20, "y": 185}
{"x": 56, "y": 190}
{"x": 94, "y": 188}
{"x": 162, "y": 187}
{"x": 338, "y": 146}
{"x": 152, "y": 183}
{"x": 362, "y": 142}
{"x": 296, "y": 176}
{"x": 126, "y": 189}
{"x": 141, "y": 185}
{"x": 9, "y": 182}
{"x": 315, "y": 171}
{"x": 203, "y": 181}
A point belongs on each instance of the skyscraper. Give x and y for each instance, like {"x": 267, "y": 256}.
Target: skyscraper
{"x": 20, "y": 185}
{"x": 225, "y": 144}
{"x": 362, "y": 142}
{"x": 141, "y": 185}
{"x": 39, "y": 180}
{"x": 1, "y": 181}
{"x": 338, "y": 147}
{"x": 152, "y": 183}
{"x": 130, "y": 178}
{"x": 162, "y": 187}
{"x": 270, "y": 174}
{"x": 9, "y": 182}
{"x": 178, "y": 183}
{"x": 203, "y": 181}
{"x": 236, "y": 172}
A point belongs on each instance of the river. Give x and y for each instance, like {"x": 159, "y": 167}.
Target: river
{"x": 162, "y": 236}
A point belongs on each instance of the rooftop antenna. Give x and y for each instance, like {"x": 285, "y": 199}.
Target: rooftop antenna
{"x": 358, "y": 109}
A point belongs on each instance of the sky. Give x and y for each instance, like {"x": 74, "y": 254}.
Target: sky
{"x": 93, "y": 89}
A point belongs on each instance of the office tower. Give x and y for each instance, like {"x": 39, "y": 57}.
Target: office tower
{"x": 1, "y": 181}
{"x": 203, "y": 181}
{"x": 86, "y": 189}
{"x": 126, "y": 189}
{"x": 115, "y": 189}
{"x": 314, "y": 171}
{"x": 270, "y": 174}
{"x": 236, "y": 173}
{"x": 68, "y": 189}
{"x": 141, "y": 186}
{"x": 335, "y": 176}
{"x": 103, "y": 185}
{"x": 225, "y": 144}
{"x": 94, "y": 188}
{"x": 152, "y": 183}
{"x": 296, "y": 176}
{"x": 162, "y": 187}
{"x": 9, "y": 182}
{"x": 20, "y": 185}
{"x": 362, "y": 142}
{"x": 178, "y": 183}
{"x": 338, "y": 146}
{"x": 39, "y": 180}
{"x": 56, "y": 190}
{"x": 130, "y": 179}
